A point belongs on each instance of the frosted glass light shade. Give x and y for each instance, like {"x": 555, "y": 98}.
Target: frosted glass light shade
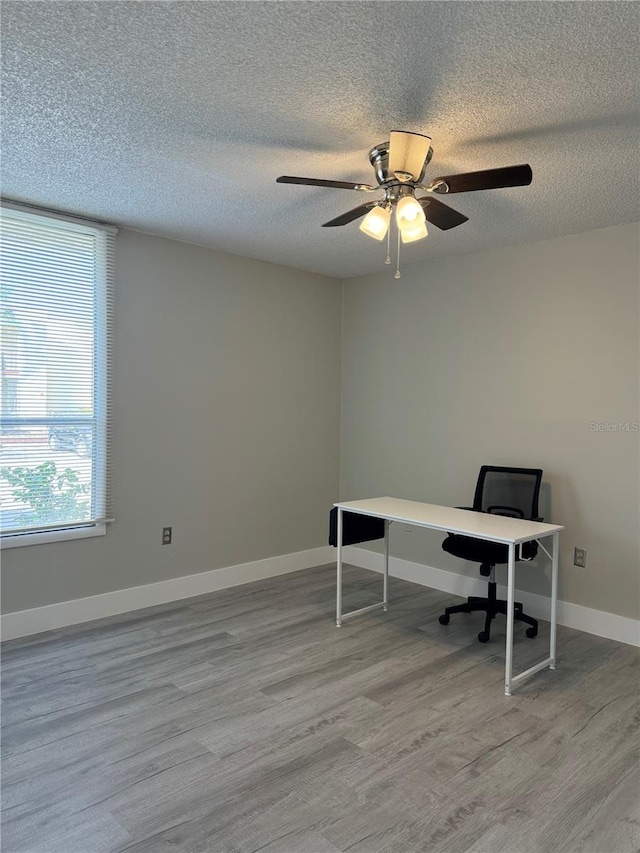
{"x": 411, "y": 220}
{"x": 376, "y": 223}
{"x": 414, "y": 232}
{"x": 408, "y": 213}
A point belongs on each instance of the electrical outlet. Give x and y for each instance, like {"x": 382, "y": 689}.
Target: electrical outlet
{"x": 166, "y": 535}
{"x": 580, "y": 557}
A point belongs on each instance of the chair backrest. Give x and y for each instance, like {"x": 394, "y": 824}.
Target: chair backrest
{"x": 508, "y": 491}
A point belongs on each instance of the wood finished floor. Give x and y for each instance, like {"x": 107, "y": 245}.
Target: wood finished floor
{"x": 245, "y": 721}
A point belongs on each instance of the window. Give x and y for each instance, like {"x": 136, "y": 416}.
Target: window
{"x": 55, "y": 300}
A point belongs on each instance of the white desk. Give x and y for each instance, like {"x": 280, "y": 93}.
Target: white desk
{"x": 495, "y": 528}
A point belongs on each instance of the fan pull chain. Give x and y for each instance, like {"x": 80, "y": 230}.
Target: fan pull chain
{"x": 397, "y": 273}
{"x": 387, "y": 260}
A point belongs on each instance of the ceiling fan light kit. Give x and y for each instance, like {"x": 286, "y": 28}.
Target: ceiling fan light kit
{"x": 376, "y": 222}
{"x": 416, "y": 231}
{"x": 399, "y": 167}
{"x": 409, "y": 216}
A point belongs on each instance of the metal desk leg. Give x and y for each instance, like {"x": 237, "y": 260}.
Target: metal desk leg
{"x": 340, "y": 616}
{"x": 339, "y": 572}
{"x": 508, "y": 670}
{"x": 385, "y": 582}
{"x": 512, "y": 680}
{"x": 554, "y": 600}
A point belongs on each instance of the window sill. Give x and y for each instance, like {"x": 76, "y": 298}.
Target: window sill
{"x": 19, "y": 540}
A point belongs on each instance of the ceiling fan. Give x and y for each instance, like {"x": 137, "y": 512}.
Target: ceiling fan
{"x": 399, "y": 166}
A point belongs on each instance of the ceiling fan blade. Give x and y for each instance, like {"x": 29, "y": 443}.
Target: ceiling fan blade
{"x": 350, "y": 215}
{"x": 320, "y": 182}
{"x": 441, "y": 215}
{"x": 487, "y": 179}
{"x": 408, "y": 153}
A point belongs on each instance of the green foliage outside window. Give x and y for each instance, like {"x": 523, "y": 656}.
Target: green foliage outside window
{"x": 53, "y": 497}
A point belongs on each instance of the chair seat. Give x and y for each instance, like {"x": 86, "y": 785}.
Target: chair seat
{"x": 476, "y": 550}
{"x": 481, "y": 551}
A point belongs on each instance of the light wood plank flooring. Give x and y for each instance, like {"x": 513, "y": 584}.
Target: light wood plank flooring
{"x": 245, "y": 721}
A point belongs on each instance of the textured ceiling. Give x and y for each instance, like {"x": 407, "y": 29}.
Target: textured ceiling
{"x": 176, "y": 117}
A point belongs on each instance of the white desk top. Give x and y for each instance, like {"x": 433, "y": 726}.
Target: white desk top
{"x": 495, "y": 528}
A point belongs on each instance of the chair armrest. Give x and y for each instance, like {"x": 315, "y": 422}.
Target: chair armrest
{"x": 506, "y": 511}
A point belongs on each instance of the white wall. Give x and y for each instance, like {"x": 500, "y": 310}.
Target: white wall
{"x": 226, "y": 423}
{"x": 505, "y": 358}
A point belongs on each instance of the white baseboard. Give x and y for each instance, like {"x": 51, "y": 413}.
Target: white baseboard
{"x": 52, "y": 616}
{"x": 597, "y": 622}
{"x": 25, "y": 622}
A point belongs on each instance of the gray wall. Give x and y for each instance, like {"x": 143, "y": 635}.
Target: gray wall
{"x": 504, "y": 358}
{"x": 226, "y": 416}
{"x": 226, "y": 408}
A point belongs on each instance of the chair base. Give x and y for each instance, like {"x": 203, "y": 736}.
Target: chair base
{"x": 491, "y": 606}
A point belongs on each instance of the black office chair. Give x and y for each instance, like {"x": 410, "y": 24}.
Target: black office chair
{"x": 502, "y": 491}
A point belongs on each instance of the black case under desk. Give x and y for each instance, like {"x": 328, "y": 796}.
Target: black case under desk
{"x": 355, "y": 528}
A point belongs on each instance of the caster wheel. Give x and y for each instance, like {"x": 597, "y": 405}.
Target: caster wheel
{"x": 483, "y": 636}
{"x": 444, "y": 619}
{"x": 531, "y": 633}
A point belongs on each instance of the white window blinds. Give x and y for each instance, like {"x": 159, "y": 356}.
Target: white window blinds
{"x": 55, "y": 305}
